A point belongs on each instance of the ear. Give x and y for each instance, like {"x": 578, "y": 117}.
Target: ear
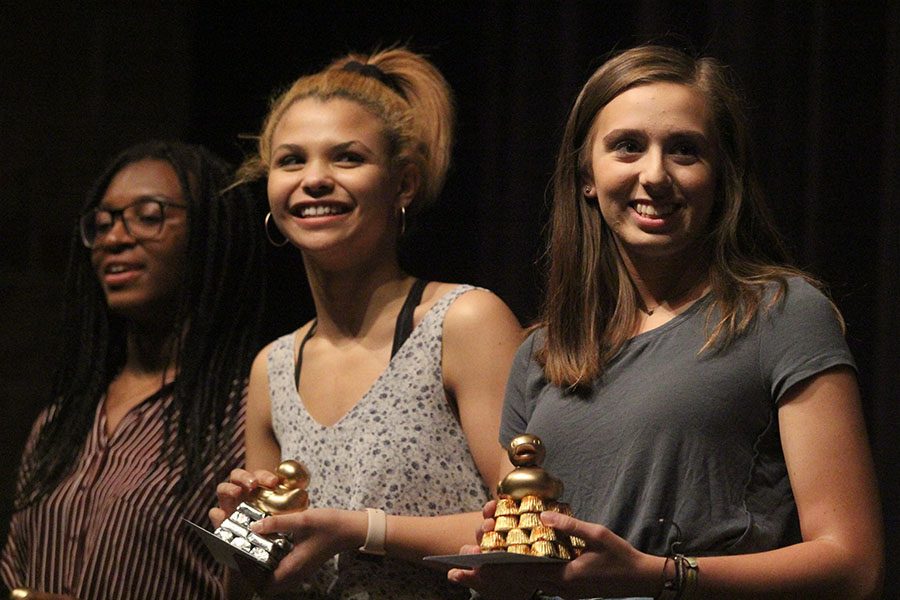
{"x": 586, "y": 181}
{"x": 408, "y": 181}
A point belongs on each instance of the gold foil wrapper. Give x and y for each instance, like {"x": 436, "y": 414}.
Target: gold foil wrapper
{"x": 505, "y": 507}
{"x": 531, "y": 504}
{"x": 519, "y": 549}
{"x": 563, "y": 552}
{"x": 516, "y": 536}
{"x": 529, "y": 521}
{"x": 576, "y": 541}
{"x": 505, "y": 523}
{"x": 542, "y": 532}
{"x": 544, "y": 548}
{"x": 561, "y": 507}
{"x": 492, "y": 541}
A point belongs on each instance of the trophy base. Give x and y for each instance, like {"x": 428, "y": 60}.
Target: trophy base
{"x": 470, "y": 561}
{"x": 226, "y": 554}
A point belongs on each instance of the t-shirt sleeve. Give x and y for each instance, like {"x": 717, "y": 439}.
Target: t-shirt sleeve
{"x": 517, "y": 406}
{"x": 800, "y": 336}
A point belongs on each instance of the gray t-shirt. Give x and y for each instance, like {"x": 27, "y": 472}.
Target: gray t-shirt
{"x": 667, "y": 433}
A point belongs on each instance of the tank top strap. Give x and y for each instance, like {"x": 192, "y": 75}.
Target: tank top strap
{"x": 402, "y": 328}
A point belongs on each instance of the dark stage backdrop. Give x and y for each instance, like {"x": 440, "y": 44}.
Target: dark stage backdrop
{"x": 81, "y": 81}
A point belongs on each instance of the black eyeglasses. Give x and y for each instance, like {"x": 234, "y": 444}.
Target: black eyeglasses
{"x": 143, "y": 220}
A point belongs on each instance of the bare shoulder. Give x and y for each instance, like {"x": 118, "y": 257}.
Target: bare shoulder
{"x": 472, "y": 309}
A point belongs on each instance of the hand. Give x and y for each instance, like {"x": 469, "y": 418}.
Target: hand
{"x": 504, "y": 582}
{"x": 317, "y": 534}
{"x": 236, "y": 490}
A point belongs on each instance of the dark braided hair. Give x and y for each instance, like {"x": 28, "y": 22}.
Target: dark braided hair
{"x": 219, "y": 315}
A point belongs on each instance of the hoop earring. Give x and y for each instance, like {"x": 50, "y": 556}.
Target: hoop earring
{"x": 269, "y": 235}
{"x": 402, "y": 220}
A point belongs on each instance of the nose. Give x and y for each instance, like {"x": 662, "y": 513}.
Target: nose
{"x": 654, "y": 176}
{"x": 317, "y": 179}
{"x": 117, "y": 235}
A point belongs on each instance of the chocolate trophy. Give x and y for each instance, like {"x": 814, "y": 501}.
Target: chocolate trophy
{"x": 233, "y": 536}
{"x": 523, "y": 494}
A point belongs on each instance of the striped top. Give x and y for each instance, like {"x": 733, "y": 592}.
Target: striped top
{"x": 112, "y": 529}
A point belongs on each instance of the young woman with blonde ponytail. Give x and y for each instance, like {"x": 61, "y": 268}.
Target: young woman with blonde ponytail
{"x": 397, "y": 405}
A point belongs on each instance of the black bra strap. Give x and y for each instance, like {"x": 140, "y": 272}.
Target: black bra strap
{"x": 402, "y": 329}
{"x": 309, "y": 334}
{"x": 404, "y": 326}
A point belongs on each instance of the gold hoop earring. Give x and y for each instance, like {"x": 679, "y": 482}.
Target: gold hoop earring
{"x": 269, "y": 235}
{"x": 402, "y": 220}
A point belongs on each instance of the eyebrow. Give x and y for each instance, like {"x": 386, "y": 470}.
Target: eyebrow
{"x": 137, "y": 200}
{"x": 691, "y": 134}
{"x": 336, "y": 148}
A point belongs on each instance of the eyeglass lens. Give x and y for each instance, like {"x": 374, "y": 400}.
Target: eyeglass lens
{"x": 142, "y": 220}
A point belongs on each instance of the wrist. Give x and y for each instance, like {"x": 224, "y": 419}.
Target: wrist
{"x": 375, "y": 536}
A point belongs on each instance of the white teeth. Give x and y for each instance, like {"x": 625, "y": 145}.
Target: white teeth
{"x": 117, "y": 269}
{"x": 654, "y": 210}
{"x": 318, "y": 211}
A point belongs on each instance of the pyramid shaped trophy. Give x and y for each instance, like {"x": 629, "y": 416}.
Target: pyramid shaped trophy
{"x": 523, "y": 494}
{"x": 233, "y": 537}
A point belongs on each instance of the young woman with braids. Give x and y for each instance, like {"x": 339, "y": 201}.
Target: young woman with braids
{"x": 694, "y": 393}
{"x": 396, "y": 408}
{"x": 148, "y": 406}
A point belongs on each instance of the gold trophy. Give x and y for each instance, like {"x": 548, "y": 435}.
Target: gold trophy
{"x": 522, "y": 495}
{"x": 233, "y": 537}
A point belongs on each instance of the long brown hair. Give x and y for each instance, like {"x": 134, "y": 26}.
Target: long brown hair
{"x": 403, "y": 89}
{"x": 590, "y": 307}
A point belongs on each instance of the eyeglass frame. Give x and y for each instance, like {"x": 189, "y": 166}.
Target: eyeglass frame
{"x": 119, "y": 213}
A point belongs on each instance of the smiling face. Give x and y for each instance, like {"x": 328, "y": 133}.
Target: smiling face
{"x": 141, "y": 279}
{"x": 652, "y": 169}
{"x": 331, "y": 185}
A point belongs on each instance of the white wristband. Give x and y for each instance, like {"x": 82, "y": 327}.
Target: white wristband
{"x": 375, "y": 533}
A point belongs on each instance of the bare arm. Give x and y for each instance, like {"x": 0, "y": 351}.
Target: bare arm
{"x": 262, "y": 456}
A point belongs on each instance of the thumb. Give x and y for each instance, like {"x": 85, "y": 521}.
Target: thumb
{"x": 568, "y": 525}
{"x": 268, "y": 525}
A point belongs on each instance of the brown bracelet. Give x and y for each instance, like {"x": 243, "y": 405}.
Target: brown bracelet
{"x": 683, "y": 583}
{"x": 690, "y": 576}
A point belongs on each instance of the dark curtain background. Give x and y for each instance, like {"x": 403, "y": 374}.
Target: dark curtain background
{"x": 82, "y": 81}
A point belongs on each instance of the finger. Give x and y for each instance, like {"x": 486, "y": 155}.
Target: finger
{"x": 277, "y": 524}
{"x": 572, "y": 526}
{"x": 488, "y": 511}
{"x": 217, "y": 515}
{"x": 488, "y": 525}
{"x": 266, "y": 478}
{"x": 466, "y": 577}
{"x": 229, "y": 496}
{"x": 243, "y": 478}
{"x": 470, "y": 549}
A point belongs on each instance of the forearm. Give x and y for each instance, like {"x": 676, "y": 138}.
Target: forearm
{"x": 816, "y": 569}
{"x": 412, "y": 538}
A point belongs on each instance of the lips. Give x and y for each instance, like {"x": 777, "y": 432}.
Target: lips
{"x": 117, "y": 273}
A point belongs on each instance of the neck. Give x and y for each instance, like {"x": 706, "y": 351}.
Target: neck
{"x": 349, "y": 302}
{"x": 149, "y": 349}
{"x": 669, "y": 282}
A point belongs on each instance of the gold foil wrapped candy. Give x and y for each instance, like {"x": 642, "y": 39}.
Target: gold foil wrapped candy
{"x": 523, "y": 494}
